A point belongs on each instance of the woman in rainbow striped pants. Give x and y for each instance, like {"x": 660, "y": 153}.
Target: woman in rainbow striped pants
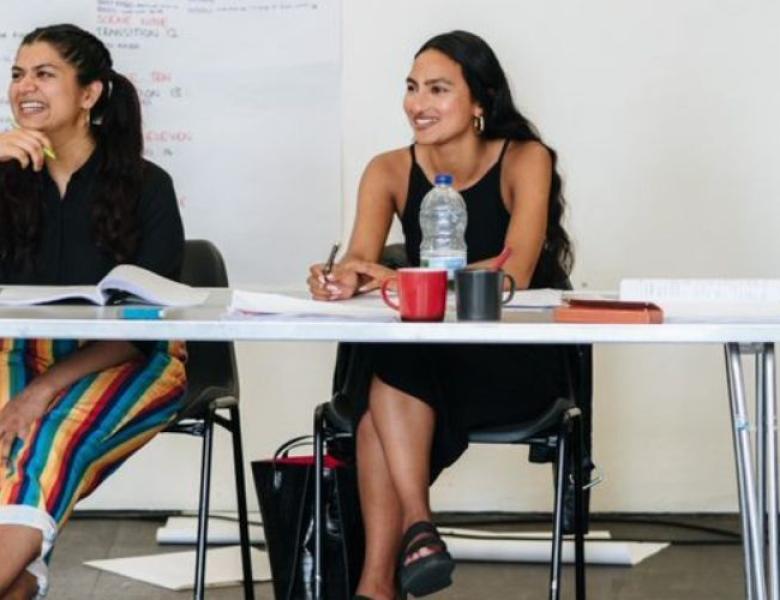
{"x": 76, "y": 199}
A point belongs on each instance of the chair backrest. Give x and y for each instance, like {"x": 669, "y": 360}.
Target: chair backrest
{"x": 211, "y": 366}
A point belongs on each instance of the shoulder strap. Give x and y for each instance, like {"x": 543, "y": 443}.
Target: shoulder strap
{"x": 503, "y": 150}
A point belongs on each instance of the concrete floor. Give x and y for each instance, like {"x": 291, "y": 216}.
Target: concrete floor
{"x": 683, "y": 571}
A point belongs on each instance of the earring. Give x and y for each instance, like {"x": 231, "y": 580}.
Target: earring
{"x": 479, "y": 124}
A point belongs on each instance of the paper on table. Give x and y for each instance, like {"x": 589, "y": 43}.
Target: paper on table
{"x": 153, "y": 288}
{"x": 709, "y": 300}
{"x": 721, "y": 312}
{"x": 730, "y": 291}
{"x": 267, "y": 303}
{"x": 145, "y": 285}
{"x": 538, "y": 298}
{"x": 175, "y": 570}
{"x": 24, "y": 295}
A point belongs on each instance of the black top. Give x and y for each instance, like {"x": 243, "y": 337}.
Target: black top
{"x": 488, "y": 220}
{"x": 68, "y": 254}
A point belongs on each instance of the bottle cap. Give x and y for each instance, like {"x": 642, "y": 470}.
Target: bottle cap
{"x": 443, "y": 179}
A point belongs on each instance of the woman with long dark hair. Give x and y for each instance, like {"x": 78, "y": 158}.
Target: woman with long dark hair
{"x": 76, "y": 199}
{"x": 417, "y": 402}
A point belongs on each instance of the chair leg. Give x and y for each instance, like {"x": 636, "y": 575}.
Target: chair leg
{"x": 579, "y": 509}
{"x": 243, "y": 517}
{"x": 319, "y": 508}
{"x": 203, "y": 508}
{"x": 560, "y": 486}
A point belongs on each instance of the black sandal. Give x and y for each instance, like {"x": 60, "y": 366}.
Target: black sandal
{"x": 427, "y": 574}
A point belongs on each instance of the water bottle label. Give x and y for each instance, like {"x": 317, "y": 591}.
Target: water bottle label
{"x": 451, "y": 263}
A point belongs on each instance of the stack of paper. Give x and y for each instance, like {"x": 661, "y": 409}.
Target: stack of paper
{"x": 725, "y": 300}
{"x": 540, "y": 298}
{"x": 244, "y": 301}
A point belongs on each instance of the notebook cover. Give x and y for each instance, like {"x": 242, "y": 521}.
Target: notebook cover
{"x": 608, "y": 311}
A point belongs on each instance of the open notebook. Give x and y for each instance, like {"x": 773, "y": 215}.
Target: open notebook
{"x": 144, "y": 285}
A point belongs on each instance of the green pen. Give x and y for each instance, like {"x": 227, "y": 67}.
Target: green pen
{"x": 46, "y": 150}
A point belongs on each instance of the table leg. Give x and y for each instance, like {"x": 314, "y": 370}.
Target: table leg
{"x": 754, "y": 578}
{"x": 760, "y": 452}
{"x": 769, "y": 426}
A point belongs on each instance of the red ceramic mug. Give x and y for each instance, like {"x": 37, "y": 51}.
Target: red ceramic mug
{"x": 422, "y": 293}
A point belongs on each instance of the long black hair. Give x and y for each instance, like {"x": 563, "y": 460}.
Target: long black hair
{"x": 115, "y": 125}
{"x": 490, "y": 89}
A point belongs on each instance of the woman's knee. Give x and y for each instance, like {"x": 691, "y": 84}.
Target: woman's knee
{"x": 21, "y": 541}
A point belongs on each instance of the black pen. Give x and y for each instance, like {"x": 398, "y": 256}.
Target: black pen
{"x": 331, "y": 258}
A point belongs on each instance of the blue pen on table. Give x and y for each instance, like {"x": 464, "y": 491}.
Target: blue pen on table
{"x": 141, "y": 312}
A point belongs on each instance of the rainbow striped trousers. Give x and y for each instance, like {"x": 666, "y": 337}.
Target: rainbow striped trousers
{"x": 90, "y": 429}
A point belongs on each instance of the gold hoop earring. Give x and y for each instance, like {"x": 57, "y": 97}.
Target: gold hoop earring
{"x": 479, "y": 124}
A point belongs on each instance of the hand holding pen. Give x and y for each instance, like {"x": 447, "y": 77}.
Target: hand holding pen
{"x": 324, "y": 283}
{"x": 27, "y": 146}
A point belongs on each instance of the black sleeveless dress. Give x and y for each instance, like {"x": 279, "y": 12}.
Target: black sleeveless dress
{"x": 468, "y": 385}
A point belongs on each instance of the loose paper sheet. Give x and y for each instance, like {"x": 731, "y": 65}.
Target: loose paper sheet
{"x": 297, "y": 304}
{"x": 176, "y": 570}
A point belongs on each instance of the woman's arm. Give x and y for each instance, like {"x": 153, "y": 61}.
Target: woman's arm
{"x": 375, "y": 210}
{"x": 161, "y": 243}
{"x": 32, "y": 402}
{"x": 526, "y": 179}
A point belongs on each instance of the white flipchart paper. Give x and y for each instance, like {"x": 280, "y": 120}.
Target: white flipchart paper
{"x": 176, "y": 570}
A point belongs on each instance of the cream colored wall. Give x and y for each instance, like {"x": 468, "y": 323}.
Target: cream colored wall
{"x": 665, "y": 116}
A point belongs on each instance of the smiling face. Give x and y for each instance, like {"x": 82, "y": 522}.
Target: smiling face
{"x": 438, "y": 101}
{"x": 44, "y": 90}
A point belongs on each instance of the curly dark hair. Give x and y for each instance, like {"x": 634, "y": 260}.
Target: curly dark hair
{"x": 115, "y": 125}
{"x": 489, "y": 87}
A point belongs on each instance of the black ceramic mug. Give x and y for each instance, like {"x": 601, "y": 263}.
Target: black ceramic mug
{"x": 479, "y": 294}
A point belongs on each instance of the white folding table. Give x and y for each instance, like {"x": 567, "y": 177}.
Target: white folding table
{"x": 757, "y": 473}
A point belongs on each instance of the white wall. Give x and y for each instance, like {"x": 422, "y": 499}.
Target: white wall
{"x": 665, "y": 116}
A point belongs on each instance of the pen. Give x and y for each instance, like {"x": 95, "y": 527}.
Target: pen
{"x": 46, "y": 150}
{"x": 331, "y": 258}
{"x": 141, "y": 312}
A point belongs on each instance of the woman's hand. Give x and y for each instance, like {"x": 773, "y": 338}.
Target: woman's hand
{"x": 18, "y": 415}
{"x": 348, "y": 278}
{"x": 371, "y": 275}
{"x": 24, "y": 145}
{"x": 339, "y": 284}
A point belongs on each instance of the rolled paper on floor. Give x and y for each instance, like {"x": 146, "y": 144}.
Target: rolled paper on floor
{"x": 502, "y": 548}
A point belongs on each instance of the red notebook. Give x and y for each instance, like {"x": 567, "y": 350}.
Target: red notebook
{"x": 608, "y": 311}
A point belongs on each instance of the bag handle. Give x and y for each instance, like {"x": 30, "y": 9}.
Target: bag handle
{"x": 283, "y": 451}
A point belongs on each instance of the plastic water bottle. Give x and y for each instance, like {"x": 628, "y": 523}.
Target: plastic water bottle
{"x": 443, "y": 222}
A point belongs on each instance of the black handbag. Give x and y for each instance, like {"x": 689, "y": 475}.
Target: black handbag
{"x": 285, "y": 490}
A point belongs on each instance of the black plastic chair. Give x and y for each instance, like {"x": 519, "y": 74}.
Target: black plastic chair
{"x": 560, "y": 431}
{"x": 212, "y": 386}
